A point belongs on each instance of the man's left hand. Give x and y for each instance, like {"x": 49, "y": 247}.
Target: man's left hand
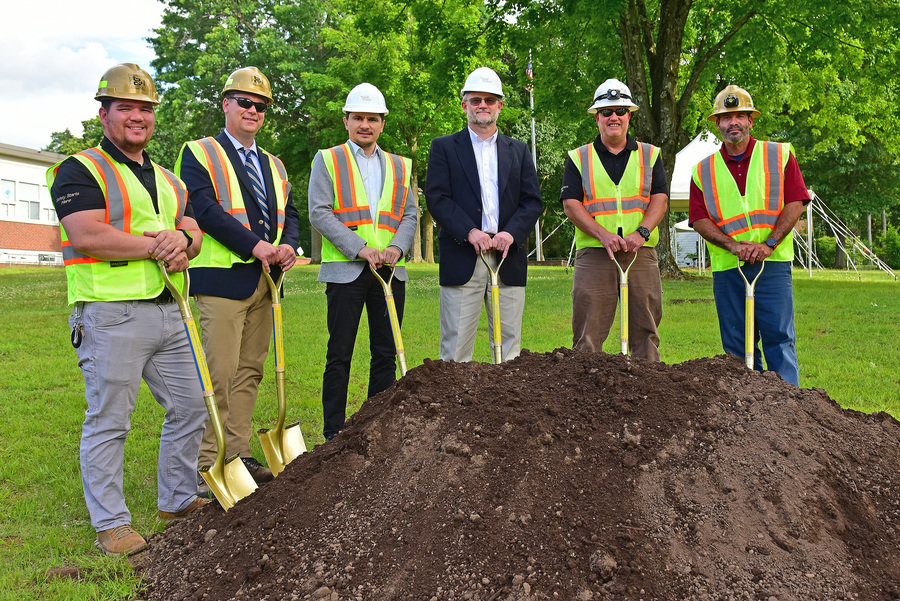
{"x": 502, "y": 241}
{"x": 166, "y": 244}
{"x": 286, "y": 256}
{"x": 754, "y": 252}
{"x": 633, "y": 242}
{"x": 391, "y": 255}
{"x": 178, "y": 263}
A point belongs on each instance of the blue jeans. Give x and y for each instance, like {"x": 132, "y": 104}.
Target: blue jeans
{"x": 774, "y": 320}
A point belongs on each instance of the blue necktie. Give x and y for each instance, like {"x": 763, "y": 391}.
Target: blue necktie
{"x": 259, "y": 190}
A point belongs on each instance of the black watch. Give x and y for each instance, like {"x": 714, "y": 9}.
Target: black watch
{"x": 644, "y": 232}
{"x": 190, "y": 238}
{"x": 772, "y": 243}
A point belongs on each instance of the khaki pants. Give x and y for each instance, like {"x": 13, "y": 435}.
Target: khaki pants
{"x": 595, "y": 297}
{"x": 236, "y": 335}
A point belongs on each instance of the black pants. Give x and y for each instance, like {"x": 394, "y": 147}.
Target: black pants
{"x": 345, "y": 304}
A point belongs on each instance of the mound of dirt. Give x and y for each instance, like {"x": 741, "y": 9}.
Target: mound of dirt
{"x": 568, "y": 476}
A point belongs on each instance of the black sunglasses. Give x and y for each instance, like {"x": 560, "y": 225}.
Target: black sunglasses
{"x": 246, "y": 103}
{"x": 620, "y": 111}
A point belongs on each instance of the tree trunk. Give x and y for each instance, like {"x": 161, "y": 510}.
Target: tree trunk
{"x": 315, "y": 253}
{"x": 417, "y": 239}
{"x": 840, "y": 257}
{"x": 429, "y": 236}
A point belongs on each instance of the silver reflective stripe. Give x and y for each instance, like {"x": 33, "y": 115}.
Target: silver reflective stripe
{"x": 776, "y": 177}
{"x": 282, "y": 173}
{"x": 392, "y": 220}
{"x": 180, "y": 192}
{"x": 586, "y": 167}
{"x": 705, "y": 168}
{"x": 647, "y": 154}
{"x": 634, "y": 203}
{"x": 70, "y": 253}
{"x": 221, "y": 179}
{"x": 345, "y": 211}
{"x": 736, "y": 225}
{"x": 116, "y": 194}
{"x": 763, "y": 219}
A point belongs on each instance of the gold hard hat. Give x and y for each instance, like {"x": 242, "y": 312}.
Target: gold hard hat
{"x": 733, "y": 100}
{"x": 250, "y": 80}
{"x": 127, "y": 81}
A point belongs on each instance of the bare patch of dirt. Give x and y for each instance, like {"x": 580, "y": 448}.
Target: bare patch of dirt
{"x": 568, "y": 476}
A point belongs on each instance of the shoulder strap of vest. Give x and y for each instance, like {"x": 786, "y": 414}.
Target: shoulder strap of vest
{"x": 113, "y": 187}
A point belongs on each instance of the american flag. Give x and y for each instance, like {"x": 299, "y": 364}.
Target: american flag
{"x": 528, "y": 71}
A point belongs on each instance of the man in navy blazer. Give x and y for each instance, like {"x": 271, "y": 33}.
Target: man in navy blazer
{"x": 243, "y": 203}
{"x": 483, "y": 191}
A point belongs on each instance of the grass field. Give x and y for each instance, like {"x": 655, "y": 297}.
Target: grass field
{"x": 847, "y": 342}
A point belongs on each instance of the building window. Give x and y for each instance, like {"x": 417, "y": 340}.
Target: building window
{"x": 7, "y": 198}
{"x": 29, "y": 201}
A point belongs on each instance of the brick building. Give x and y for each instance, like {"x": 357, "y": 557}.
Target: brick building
{"x": 29, "y": 229}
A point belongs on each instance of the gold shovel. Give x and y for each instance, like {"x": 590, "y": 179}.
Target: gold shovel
{"x": 495, "y": 308}
{"x": 623, "y": 303}
{"x": 749, "y": 314}
{"x": 392, "y": 316}
{"x": 228, "y": 479}
{"x": 281, "y": 444}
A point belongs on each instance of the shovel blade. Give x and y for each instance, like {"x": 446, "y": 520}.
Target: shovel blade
{"x": 279, "y": 455}
{"x": 230, "y": 482}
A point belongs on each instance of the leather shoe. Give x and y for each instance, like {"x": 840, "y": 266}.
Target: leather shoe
{"x": 259, "y": 472}
{"x": 168, "y": 516}
{"x": 121, "y": 540}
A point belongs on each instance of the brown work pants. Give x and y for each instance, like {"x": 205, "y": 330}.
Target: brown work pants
{"x": 595, "y": 297}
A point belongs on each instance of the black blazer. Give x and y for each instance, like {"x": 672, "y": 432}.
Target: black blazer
{"x": 453, "y": 196}
{"x": 241, "y": 280}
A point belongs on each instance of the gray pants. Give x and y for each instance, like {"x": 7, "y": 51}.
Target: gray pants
{"x": 123, "y": 343}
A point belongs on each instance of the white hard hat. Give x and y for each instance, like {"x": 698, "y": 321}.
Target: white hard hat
{"x": 612, "y": 92}
{"x": 365, "y": 98}
{"x": 483, "y": 79}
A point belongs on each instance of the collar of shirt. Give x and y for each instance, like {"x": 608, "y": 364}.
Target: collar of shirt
{"x": 745, "y": 157}
{"x": 371, "y": 169}
{"x": 492, "y": 139}
{"x": 630, "y": 144}
{"x": 119, "y": 156}
{"x": 238, "y": 145}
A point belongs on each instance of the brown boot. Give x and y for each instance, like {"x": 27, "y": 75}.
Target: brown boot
{"x": 197, "y": 503}
{"x": 259, "y": 472}
{"x": 121, "y": 540}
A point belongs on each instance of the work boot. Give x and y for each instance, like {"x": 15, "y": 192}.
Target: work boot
{"x": 121, "y": 540}
{"x": 168, "y": 516}
{"x": 259, "y": 472}
{"x": 203, "y": 488}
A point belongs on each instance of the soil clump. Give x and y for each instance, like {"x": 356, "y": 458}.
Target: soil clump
{"x": 566, "y": 476}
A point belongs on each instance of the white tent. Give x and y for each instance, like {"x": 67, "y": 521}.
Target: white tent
{"x": 697, "y": 149}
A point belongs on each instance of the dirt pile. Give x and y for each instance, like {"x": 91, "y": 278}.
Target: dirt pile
{"x": 568, "y": 476}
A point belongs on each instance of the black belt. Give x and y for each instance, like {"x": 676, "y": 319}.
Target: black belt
{"x": 165, "y": 297}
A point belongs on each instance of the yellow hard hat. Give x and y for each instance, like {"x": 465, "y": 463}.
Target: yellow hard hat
{"x": 733, "y": 100}
{"x": 127, "y": 81}
{"x": 250, "y": 80}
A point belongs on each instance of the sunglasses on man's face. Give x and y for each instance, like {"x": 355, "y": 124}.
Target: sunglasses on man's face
{"x": 618, "y": 111}
{"x": 246, "y": 103}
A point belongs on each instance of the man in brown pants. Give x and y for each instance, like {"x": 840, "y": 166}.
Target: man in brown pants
{"x": 615, "y": 192}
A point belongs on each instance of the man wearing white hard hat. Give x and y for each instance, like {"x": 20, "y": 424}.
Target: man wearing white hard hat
{"x": 359, "y": 200}
{"x": 614, "y": 191}
{"x": 483, "y": 191}
{"x": 744, "y": 201}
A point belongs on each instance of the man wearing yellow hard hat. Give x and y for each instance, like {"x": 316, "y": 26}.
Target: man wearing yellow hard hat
{"x": 119, "y": 214}
{"x": 745, "y": 200}
{"x": 244, "y": 203}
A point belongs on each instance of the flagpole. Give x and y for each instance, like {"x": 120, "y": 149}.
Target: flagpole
{"x": 539, "y": 254}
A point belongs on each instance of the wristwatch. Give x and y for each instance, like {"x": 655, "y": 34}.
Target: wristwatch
{"x": 190, "y": 238}
{"x": 772, "y": 243}
{"x": 644, "y": 232}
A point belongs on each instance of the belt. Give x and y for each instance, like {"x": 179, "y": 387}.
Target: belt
{"x": 165, "y": 297}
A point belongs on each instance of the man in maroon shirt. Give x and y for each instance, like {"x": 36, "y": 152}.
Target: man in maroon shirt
{"x": 745, "y": 201}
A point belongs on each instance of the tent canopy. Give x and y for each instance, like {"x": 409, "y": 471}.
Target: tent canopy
{"x": 697, "y": 149}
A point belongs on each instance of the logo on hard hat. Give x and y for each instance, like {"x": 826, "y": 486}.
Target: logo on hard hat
{"x": 137, "y": 81}
{"x": 257, "y": 81}
{"x": 365, "y": 97}
{"x": 731, "y": 101}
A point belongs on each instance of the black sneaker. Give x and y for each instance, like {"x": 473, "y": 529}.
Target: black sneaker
{"x": 259, "y": 472}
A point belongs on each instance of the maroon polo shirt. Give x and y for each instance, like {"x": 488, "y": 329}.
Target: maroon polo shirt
{"x": 794, "y": 186}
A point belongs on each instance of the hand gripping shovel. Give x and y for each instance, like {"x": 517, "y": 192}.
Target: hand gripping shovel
{"x": 228, "y": 479}
{"x": 623, "y": 303}
{"x": 392, "y": 315}
{"x": 495, "y": 308}
{"x": 281, "y": 444}
{"x": 749, "y": 315}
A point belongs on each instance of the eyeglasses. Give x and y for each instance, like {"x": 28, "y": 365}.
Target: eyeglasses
{"x": 246, "y": 103}
{"x": 620, "y": 111}
{"x": 477, "y": 100}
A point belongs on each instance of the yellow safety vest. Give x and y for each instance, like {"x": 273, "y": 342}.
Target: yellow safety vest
{"x": 351, "y": 206}
{"x": 615, "y": 206}
{"x": 750, "y": 217}
{"x": 129, "y": 208}
{"x": 210, "y": 154}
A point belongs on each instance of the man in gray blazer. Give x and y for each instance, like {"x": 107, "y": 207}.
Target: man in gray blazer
{"x": 359, "y": 200}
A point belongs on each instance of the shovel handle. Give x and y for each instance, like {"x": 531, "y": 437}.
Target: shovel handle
{"x": 392, "y": 316}
{"x": 623, "y": 303}
{"x": 750, "y": 314}
{"x": 495, "y": 308}
{"x": 278, "y": 337}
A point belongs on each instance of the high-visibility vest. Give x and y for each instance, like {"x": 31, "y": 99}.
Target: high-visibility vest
{"x": 615, "y": 206}
{"x": 210, "y": 154}
{"x": 351, "y": 206}
{"x": 752, "y": 216}
{"x": 129, "y": 208}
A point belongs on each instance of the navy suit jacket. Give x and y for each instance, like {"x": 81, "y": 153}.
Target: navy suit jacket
{"x": 453, "y": 196}
{"x": 241, "y": 280}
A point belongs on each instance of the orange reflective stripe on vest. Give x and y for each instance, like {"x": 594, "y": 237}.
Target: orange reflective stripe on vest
{"x": 609, "y": 206}
{"x": 390, "y": 220}
{"x": 345, "y": 207}
{"x": 219, "y": 174}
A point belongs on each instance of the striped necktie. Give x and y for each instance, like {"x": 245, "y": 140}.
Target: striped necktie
{"x": 259, "y": 190}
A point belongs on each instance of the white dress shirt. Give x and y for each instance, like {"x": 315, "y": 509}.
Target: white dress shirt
{"x": 371, "y": 169}
{"x": 486, "y": 159}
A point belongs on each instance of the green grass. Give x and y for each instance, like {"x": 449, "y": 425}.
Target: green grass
{"x": 847, "y": 343}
